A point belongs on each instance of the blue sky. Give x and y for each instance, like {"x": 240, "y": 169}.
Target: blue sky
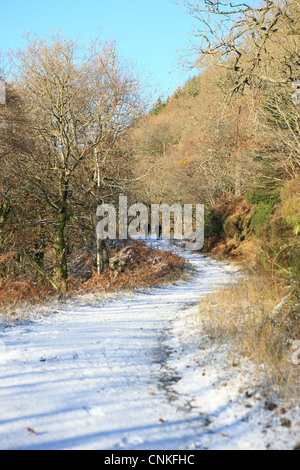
{"x": 149, "y": 32}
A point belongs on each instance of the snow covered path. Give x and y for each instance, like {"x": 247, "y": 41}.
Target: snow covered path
{"x": 120, "y": 374}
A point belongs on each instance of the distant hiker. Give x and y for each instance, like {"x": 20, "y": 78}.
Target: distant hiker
{"x": 157, "y": 232}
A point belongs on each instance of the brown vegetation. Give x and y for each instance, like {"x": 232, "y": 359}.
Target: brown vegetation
{"x": 136, "y": 266}
{"x": 133, "y": 265}
{"x": 260, "y": 318}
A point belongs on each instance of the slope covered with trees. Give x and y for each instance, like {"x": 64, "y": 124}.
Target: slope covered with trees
{"x": 230, "y": 139}
{"x": 63, "y": 151}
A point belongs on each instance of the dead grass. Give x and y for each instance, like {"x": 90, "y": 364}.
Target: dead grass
{"x": 261, "y": 319}
{"x": 25, "y": 289}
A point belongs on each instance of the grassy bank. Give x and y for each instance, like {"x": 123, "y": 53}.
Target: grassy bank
{"x": 261, "y": 320}
{"x": 260, "y": 315}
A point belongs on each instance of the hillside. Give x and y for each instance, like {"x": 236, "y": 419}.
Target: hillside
{"x": 207, "y": 146}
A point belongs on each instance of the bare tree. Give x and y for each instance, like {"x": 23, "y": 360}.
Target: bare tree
{"x": 238, "y": 35}
{"x": 258, "y": 43}
{"x": 77, "y": 102}
{"x": 114, "y": 100}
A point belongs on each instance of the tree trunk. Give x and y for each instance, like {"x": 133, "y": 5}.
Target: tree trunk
{"x": 102, "y": 257}
{"x": 42, "y": 272}
{"x": 102, "y": 252}
{"x": 60, "y": 246}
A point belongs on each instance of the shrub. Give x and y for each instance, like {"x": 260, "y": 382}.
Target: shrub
{"x": 213, "y": 224}
{"x": 261, "y": 215}
{"x": 290, "y": 196}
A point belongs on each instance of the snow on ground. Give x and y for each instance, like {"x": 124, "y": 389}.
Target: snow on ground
{"x": 129, "y": 372}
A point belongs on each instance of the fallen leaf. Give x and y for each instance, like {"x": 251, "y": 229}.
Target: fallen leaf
{"x": 32, "y": 431}
{"x": 151, "y": 394}
{"x": 270, "y": 406}
{"x": 286, "y": 423}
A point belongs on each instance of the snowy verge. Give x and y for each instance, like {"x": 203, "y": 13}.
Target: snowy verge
{"x": 227, "y": 391}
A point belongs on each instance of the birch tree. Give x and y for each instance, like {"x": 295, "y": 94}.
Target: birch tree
{"x": 77, "y": 101}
